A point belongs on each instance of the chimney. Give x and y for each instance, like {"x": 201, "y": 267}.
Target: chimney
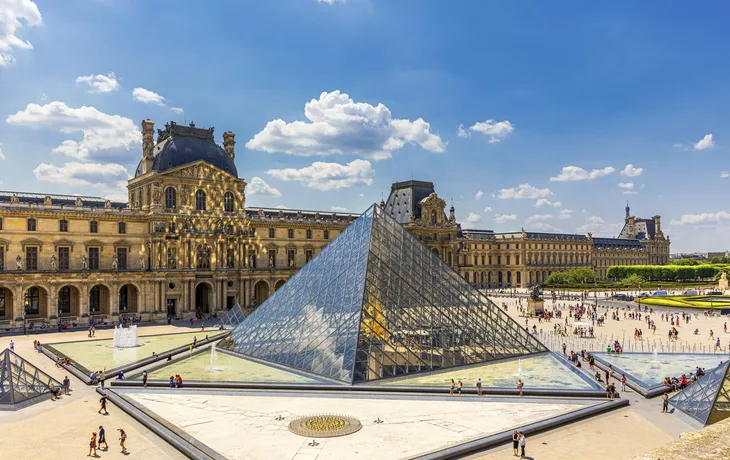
{"x": 657, "y": 225}
{"x": 632, "y": 227}
{"x": 148, "y": 145}
{"x": 229, "y": 143}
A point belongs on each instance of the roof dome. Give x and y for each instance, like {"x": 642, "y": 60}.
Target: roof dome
{"x": 179, "y": 145}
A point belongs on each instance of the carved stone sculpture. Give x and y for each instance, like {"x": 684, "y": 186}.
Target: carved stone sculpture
{"x": 185, "y": 195}
{"x": 115, "y": 262}
{"x": 14, "y": 199}
{"x": 53, "y": 262}
{"x": 141, "y": 263}
{"x": 79, "y": 202}
{"x": 156, "y": 193}
{"x": 48, "y": 201}
{"x": 84, "y": 263}
{"x": 19, "y": 262}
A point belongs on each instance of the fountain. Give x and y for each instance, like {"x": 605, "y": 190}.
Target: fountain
{"x": 213, "y": 360}
{"x": 125, "y": 337}
{"x": 519, "y": 367}
{"x": 655, "y": 356}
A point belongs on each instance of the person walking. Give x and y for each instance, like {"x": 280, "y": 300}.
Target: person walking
{"x": 451, "y": 387}
{"x": 458, "y": 387}
{"x": 12, "y": 344}
{"x": 523, "y": 444}
{"x": 515, "y": 444}
{"x": 623, "y": 382}
{"x": 102, "y": 438}
{"x": 66, "y": 385}
{"x": 520, "y": 384}
{"x": 102, "y": 401}
{"x": 665, "y": 403}
{"x": 122, "y": 440}
{"x": 92, "y": 444}
{"x": 144, "y": 379}
{"x": 479, "y": 387}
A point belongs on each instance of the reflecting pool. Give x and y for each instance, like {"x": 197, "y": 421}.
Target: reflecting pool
{"x": 538, "y": 371}
{"x": 227, "y": 368}
{"x": 99, "y": 354}
{"x": 650, "y": 369}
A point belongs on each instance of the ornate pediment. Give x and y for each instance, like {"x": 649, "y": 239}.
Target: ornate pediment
{"x": 433, "y": 201}
{"x": 197, "y": 170}
{"x": 31, "y": 242}
{"x": 122, "y": 244}
{"x": 63, "y": 242}
{"x": 93, "y": 244}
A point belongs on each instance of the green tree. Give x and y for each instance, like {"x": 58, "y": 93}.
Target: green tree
{"x": 633, "y": 281}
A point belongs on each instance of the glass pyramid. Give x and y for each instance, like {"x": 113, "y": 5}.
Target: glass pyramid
{"x": 377, "y": 303}
{"x": 233, "y": 317}
{"x": 708, "y": 399}
{"x": 21, "y": 382}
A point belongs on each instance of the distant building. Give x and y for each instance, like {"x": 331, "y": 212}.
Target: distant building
{"x": 718, "y": 254}
{"x": 689, "y": 255}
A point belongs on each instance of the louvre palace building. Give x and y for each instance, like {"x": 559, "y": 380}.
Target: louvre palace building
{"x": 185, "y": 244}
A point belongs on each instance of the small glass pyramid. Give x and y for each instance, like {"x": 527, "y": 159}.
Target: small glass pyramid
{"x": 708, "y": 399}
{"x": 377, "y": 303}
{"x": 233, "y": 317}
{"x": 21, "y": 382}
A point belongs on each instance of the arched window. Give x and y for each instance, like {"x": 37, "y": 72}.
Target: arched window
{"x": 95, "y": 299}
{"x": 170, "y": 198}
{"x": 64, "y": 300}
{"x": 32, "y": 301}
{"x": 124, "y": 298}
{"x": 228, "y": 202}
{"x": 200, "y": 200}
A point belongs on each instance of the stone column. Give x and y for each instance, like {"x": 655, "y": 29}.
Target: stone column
{"x": 163, "y": 296}
{"x": 18, "y": 309}
{"x": 114, "y": 303}
{"x": 52, "y": 301}
{"x": 84, "y": 300}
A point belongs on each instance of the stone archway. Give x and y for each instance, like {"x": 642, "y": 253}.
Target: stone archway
{"x": 68, "y": 301}
{"x": 204, "y": 299}
{"x": 35, "y": 302}
{"x": 261, "y": 292}
{"x": 279, "y": 284}
{"x": 6, "y": 304}
{"x": 99, "y": 300}
{"x": 128, "y": 299}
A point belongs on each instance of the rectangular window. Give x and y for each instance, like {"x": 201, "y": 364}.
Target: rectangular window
{"x": 121, "y": 258}
{"x": 308, "y": 254}
{"x": 64, "y": 258}
{"x": 482, "y": 260}
{"x": 1, "y": 223}
{"x": 272, "y": 233}
{"x": 2, "y": 302}
{"x": 507, "y": 245}
{"x": 172, "y": 258}
{"x": 31, "y": 258}
{"x": 326, "y": 234}
{"x": 63, "y": 225}
{"x": 122, "y": 227}
{"x": 309, "y": 234}
{"x": 2, "y": 259}
{"x": 517, "y": 260}
{"x": 93, "y": 227}
{"x": 31, "y": 225}
{"x": 490, "y": 260}
{"x": 290, "y": 232}
{"x": 290, "y": 254}
{"x": 93, "y": 258}
{"x": 499, "y": 260}
{"x": 508, "y": 259}
{"x": 475, "y": 260}
{"x": 230, "y": 258}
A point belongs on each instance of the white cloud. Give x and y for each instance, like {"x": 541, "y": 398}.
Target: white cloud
{"x": 281, "y": 206}
{"x": 338, "y": 125}
{"x": 488, "y": 209}
{"x": 678, "y": 146}
{"x": 177, "y": 109}
{"x": 328, "y": 176}
{"x": 331, "y": 2}
{"x": 626, "y": 185}
{"x": 538, "y": 217}
{"x": 2, "y": 155}
{"x": 495, "y": 130}
{"x": 702, "y": 218}
{"x": 545, "y": 227}
{"x": 724, "y": 174}
{"x": 338, "y": 209}
{"x": 101, "y": 131}
{"x": 148, "y": 97}
{"x": 479, "y": 195}
{"x": 565, "y": 214}
{"x": 705, "y": 143}
{"x": 502, "y": 218}
{"x": 524, "y": 191}
{"x": 259, "y": 187}
{"x": 574, "y": 173}
{"x": 461, "y": 132}
{"x": 600, "y": 229}
{"x": 595, "y": 220}
{"x": 110, "y": 178}
{"x": 471, "y": 220}
{"x": 631, "y": 171}
{"x": 100, "y": 83}
{"x": 545, "y": 202}
{"x": 631, "y": 192}
{"x": 13, "y": 13}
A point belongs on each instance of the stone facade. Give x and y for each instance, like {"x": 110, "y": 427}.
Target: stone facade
{"x": 185, "y": 244}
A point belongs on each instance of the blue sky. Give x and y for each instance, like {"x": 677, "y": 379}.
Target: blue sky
{"x": 332, "y": 102}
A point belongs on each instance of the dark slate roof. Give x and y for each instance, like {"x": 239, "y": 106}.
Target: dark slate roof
{"x": 179, "y": 145}
{"x": 616, "y": 243}
{"x": 405, "y": 197}
{"x": 478, "y": 234}
{"x": 58, "y": 200}
{"x": 275, "y": 214}
{"x": 556, "y": 236}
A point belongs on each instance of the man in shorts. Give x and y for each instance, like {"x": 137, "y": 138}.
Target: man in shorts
{"x": 102, "y": 438}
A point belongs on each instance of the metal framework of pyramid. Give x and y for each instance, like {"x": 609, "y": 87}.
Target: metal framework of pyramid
{"x": 708, "y": 399}
{"x": 232, "y": 318}
{"x": 21, "y": 383}
{"x": 377, "y": 303}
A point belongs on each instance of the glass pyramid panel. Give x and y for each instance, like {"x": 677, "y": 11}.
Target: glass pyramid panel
{"x": 708, "y": 399}
{"x": 20, "y": 380}
{"x": 233, "y": 317}
{"x": 377, "y": 303}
